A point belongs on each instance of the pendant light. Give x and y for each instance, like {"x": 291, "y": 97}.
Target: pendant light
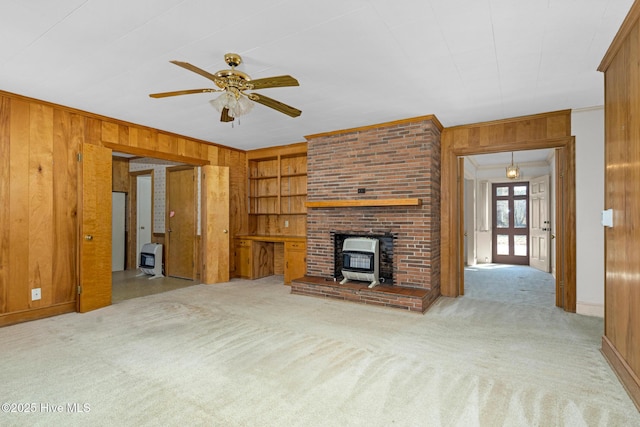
{"x": 513, "y": 171}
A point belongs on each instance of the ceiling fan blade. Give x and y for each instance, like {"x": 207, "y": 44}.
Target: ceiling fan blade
{"x": 225, "y": 117}
{"x": 180, "y": 92}
{"x": 195, "y": 69}
{"x": 276, "y": 105}
{"x": 275, "y": 81}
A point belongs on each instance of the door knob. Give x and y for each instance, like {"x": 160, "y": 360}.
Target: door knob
{"x": 225, "y": 231}
{"x": 88, "y": 237}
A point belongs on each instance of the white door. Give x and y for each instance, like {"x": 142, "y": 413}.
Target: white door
{"x": 117, "y": 231}
{"x": 143, "y": 209}
{"x": 540, "y": 224}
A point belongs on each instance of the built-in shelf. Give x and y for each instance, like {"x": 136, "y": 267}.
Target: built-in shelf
{"x": 363, "y": 203}
{"x": 277, "y": 190}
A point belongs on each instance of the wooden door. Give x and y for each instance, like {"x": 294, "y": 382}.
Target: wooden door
{"x": 95, "y": 235}
{"x": 510, "y": 223}
{"x": 181, "y": 223}
{"x": 540, "y": 224}
{"x": 215, "y": 224}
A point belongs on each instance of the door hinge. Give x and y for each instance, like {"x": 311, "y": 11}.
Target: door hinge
{"x": 79, "y": 289}
{"x": 79, "y": 157}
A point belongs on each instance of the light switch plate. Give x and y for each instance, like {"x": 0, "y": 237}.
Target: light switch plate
{"x": 607, "y": 218}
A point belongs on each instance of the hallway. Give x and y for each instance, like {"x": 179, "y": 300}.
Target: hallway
{"x": 516, "y": 284}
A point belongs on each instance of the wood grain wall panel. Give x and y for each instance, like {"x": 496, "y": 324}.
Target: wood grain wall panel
{"x": 120, "y": 169}
{"x": 93, "y": 131}
{"x": 621, "y": 344}
{"x": 166, "y": 142}
{"x": 188, "y": 148}
{"x": 5, "y": 158}
{"x": 123, "y": 134}
{"x": 192, "y": 148}
{"x": 133, "y": 136}
{"x": 18, "y": 294}
{"x": 110, "y": 132}
{"x": 545, "y": 126}
{"x": 65, "y": 208}
{"x": 146, "y": 138}
{"x": 41, "y": 202}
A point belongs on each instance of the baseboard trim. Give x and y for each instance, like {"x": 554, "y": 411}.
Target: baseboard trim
{"x": 623, "y": 371}
{"x": 588, "y": 309}
{"x": 37, "y": 313}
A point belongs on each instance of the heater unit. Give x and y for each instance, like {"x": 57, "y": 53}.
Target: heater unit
{"x": 361, "y": 260}
{"x": 151, "y": 260}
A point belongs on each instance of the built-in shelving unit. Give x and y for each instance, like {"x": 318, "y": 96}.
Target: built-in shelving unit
{"x": 277, "y": 190}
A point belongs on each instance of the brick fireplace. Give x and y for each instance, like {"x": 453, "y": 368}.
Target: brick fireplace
{"x": 378, "y": 180}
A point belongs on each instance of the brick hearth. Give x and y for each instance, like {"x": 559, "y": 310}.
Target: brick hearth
{"x": 412, "y": 299}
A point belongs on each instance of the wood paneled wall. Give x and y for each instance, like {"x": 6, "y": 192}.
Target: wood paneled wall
{"x": 38, "y": 207}
{"x": 120, "y": 175}
{"x": 39, "y": 179}
{"x": 621, "y": 341}
{"x": 548, "y": 130}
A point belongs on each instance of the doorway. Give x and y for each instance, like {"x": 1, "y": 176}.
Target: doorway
{"x": 503, "y": 210}
{"x": 542, "y": 131}
{"x": 118, "y": 230}
{"x": 141, "y": 200}
{"x": 144, "y": 211}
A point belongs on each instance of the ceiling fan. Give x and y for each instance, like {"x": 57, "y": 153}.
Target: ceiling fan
{"x": 234, "y": 102}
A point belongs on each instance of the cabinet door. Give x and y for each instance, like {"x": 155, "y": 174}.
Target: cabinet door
{"x": 295, "y": 261}
{"x": 243, "y": 258}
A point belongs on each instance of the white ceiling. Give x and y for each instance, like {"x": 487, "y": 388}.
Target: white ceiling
{"x": 501, "y": 160}
{"x": 359, "y": 62}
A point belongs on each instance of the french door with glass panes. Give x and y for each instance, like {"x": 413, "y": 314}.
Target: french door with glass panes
{"x": 511, "y": 223}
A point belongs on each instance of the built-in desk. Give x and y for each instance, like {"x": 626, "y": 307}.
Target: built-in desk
{"x": 260, "y": 256}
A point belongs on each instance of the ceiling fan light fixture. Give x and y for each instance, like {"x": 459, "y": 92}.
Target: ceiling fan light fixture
{"x": 237, "y": 104}
{"x": 513, "y": 171}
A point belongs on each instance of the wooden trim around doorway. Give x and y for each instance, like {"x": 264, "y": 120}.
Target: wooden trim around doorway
{"x": 550, "y": 130}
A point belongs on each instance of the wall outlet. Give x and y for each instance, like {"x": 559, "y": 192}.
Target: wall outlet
{"x": 286, "y": 223}
{"x": 36, "y": 294}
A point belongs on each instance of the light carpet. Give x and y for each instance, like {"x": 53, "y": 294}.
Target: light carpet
{"x": 248, "y": 353}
